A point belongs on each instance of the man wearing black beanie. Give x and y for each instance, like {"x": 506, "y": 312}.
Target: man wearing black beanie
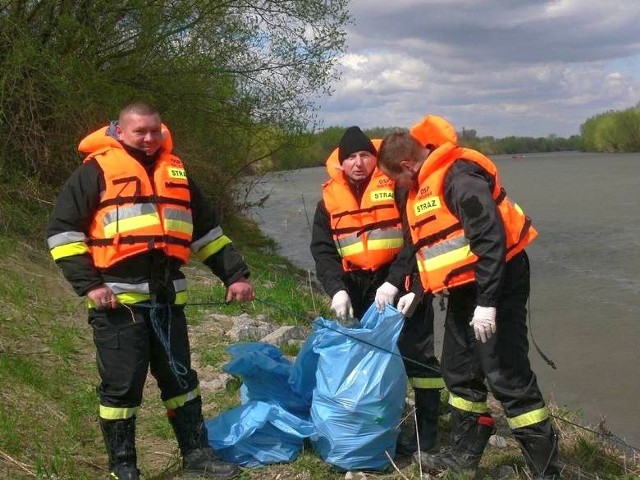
{"x": 353, "y": 141}
{"x": 359, "y": 251}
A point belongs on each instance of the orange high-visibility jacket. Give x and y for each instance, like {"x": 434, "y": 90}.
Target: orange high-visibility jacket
{"x": 138, "y": 213}
{"x": 368, "y": 234}
{"x": 443, "y": 253}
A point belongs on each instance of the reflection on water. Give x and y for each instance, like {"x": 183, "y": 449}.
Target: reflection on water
{"x": 585, "y": 264}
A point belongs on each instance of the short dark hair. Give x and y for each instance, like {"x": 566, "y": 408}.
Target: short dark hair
{"x": 395, "y": 148}
{"x": 138, "y": 107}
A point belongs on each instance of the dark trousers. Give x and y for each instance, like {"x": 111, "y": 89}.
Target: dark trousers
{"x": 503, "y": 361}
{"x": 415, "y": 342}
{"x": 127, "y": 346}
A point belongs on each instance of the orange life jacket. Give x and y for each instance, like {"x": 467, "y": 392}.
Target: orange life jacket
{"x": 444, "y": 255}
{"x": 368, "y": 234}
{"x": 138, "y": 213}
{"x": 434, "y": 130}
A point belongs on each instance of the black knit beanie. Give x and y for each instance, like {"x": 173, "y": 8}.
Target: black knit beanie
{"x": 354, "y": 140}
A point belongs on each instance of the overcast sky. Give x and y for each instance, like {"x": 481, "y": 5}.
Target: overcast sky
{"x": 501, "y": 67}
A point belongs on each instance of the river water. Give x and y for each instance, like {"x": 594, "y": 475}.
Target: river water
{"x": 585, "y": 271}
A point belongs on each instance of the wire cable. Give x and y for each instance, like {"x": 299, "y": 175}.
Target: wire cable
{"x": 269, "y": 303}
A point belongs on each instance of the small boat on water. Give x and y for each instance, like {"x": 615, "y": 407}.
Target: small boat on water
{"x": 517, "y": 156}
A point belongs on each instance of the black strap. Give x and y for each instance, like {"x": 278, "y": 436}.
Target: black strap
{"x": 457, "y": 271}
{"x": 126, "y": 181}
{"x": 421, "y": 222}
{"x": 523, "y": 233}
{"x": 362, "y": 210}
{"x": 145, "y": 199}
{"x": 131, "y": 239}
{"x": 372, "y": 226}
{"x": 173, "y": 201}
{"x": 441, "y": 235}
{"x": 177, "y": 185}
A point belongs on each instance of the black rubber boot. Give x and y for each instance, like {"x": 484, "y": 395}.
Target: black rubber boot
{"x": 539, "y": 445}
{"x": 120, "y": 439}
{"x": 199, "y": 460}
{"x": 427, "y": 414}
{"x": 427, "y": 404}
{"x": 469, "y": 436}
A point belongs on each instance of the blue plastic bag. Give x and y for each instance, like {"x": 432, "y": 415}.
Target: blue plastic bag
{"x": 265, "y": 373}
{"x": 360, "y": 391}
{"x": 303, "y": 371}
{"x": 258, "y": 433}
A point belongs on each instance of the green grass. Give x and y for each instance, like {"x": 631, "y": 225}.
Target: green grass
{"x": 48, "y": 403}
{"x": 9, "y": 433}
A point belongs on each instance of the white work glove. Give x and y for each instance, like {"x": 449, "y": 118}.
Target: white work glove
{"x": 341, "y": 305}
{"x": 386, "y": 293}
{"x": 406, "y": 304}
{"x": 484, "y": 323}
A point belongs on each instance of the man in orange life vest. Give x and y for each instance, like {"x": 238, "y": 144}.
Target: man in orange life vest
{"x": 357, "y": 244}
{"x": 469, "y": 239}
{"x": 123, "y": 225}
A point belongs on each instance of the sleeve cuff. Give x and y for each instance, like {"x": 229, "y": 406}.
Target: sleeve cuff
{"x": 486, "y": 301}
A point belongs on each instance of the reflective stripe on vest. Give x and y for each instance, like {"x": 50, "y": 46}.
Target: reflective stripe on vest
{"x": 178, "y": 221}
{"x": 127, "y": 219}
{"x": 351, "y": 245}
{"x": 450, "y": 251}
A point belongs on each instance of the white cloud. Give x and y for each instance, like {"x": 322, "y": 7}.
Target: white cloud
{"x": 501, "y": 67}
{"x": 354, "y": 62}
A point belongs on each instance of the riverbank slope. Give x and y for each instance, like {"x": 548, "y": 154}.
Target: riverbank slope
{"x": 48, "y": 404}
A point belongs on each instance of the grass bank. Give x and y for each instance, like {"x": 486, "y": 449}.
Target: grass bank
{"x": 48, "y": 404}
